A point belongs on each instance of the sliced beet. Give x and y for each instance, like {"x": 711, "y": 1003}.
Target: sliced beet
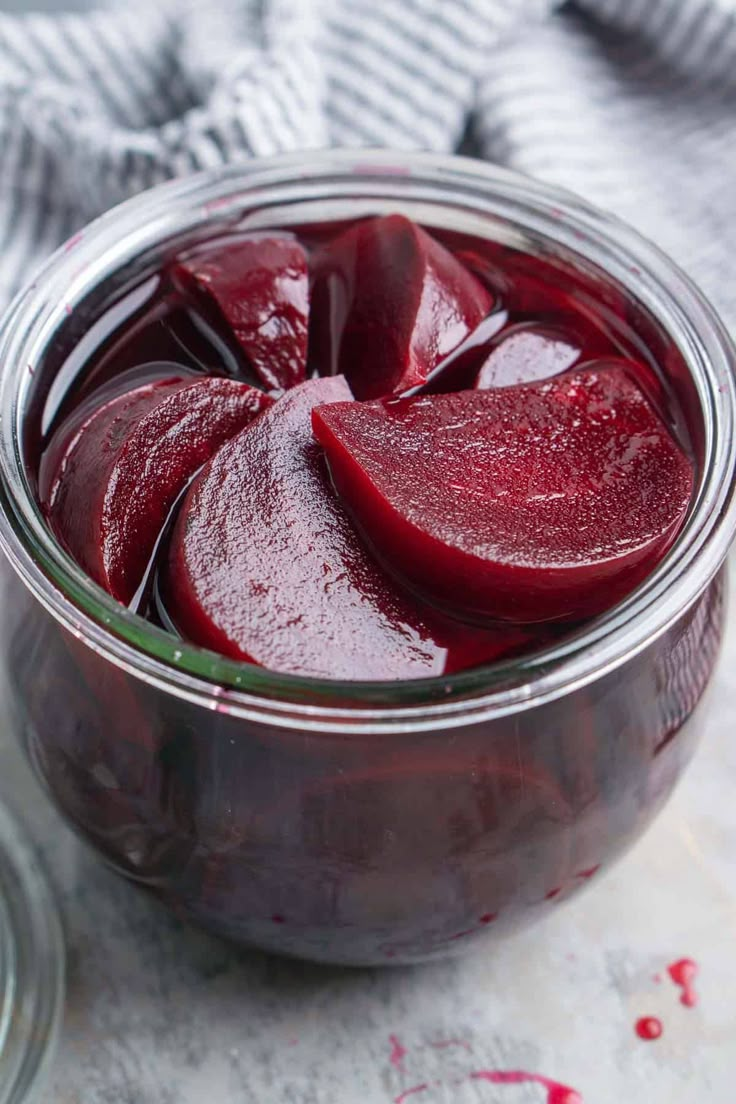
{"x": 147, "y": 384}
{"x": 120, "y": 472}
{"x": 541, "y": 502}
{"x": 260, "y": 286}
{"x": 526, "y": 353}
{"x": 266, "y": 566}
{"x": 537, "y": 287}
{"x": 548, "y": 294}
{"x": 459, "y": 370}
{"x": 388, "y": 303}
{"x": 649, "y": 382}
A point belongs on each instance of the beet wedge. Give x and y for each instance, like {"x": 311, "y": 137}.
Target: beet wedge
{"x": 260, "y": 286}
{"x": 535, "y": 503}
{"x": 265, "y": 565}
{"x": 388, "y": 303}
{"x": 526, "y": 353}
{"x": 122, "y": 470}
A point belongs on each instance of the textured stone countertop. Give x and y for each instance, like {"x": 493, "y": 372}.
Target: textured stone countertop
{"x": 156, "y": 1012}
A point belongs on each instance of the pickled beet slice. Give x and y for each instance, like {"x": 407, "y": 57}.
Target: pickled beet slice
{"x": 458, "y": 371}
{"x": 388, "y": 303}
{"x": 542, "y": 293}
{"x": 648, "y": 381}
{"x": 266, "y": 566}
{"x": 121, "y": 471}
{"x": 540, "y": 502}
{"x": 136, "y": 382}
{"x": 527, "y": 353}
{"x": 260, "y": 286}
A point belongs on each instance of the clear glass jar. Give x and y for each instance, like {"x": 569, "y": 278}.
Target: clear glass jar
{"x": 362, "y": 822}
{"x": 31, "y": 968}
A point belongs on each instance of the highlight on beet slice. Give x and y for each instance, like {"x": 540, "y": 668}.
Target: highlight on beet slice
{"x": 260, "y": 286}
{"x": 120, "y": 473}
{"x": 542, "y": 502}
{"x": 526, "y": 353}
{"x": 388, "y": 303}
{"x": 265, "y": 565}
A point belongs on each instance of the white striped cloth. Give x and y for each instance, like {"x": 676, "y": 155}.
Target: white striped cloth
{"x": 631, "y": 103}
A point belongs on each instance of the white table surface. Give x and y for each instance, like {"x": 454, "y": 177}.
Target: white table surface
{"x": 159, "y": 1013}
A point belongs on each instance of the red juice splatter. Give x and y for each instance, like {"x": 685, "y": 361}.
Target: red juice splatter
{"x": 589, "y": 872}
{"x": 556, "y": 1092}
{"x": 648, "y": 1027}
{"x": 73, "y": 241}
{"x": 486, "y": 918}
{"x": 410, "y": 1092}
{"x": 443, "y": 1044}
{"x": 657, "y": 978}
{"x": 683, "y": 973}
{"x": 398, "y": 1052}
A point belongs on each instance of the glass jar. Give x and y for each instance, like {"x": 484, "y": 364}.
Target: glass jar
{"x": 362, "y": 822}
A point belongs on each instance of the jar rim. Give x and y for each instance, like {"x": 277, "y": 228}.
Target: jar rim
{"x": 217, "y": 199}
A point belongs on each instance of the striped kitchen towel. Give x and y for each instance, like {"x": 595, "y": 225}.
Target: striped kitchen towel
{"x": 631, "y": 103}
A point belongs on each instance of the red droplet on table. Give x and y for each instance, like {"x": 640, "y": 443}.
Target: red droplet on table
{"x": 683, "y": 973}
{"x": 648, "y": 1027}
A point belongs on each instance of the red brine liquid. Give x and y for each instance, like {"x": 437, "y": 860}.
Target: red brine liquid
{"x": 374, "y": 452}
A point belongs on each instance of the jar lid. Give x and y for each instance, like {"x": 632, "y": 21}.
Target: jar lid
{"x": 31, "y": 967}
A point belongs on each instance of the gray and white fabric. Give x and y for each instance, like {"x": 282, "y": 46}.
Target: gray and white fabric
{"x": 631, "y": 103}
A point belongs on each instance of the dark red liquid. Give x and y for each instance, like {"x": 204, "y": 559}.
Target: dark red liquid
{"x": 164, "y": 326}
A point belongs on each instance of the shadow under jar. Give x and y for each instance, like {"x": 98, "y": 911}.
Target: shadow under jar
{"x": 374, "y": 822}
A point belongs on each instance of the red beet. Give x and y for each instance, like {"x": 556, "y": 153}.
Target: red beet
{"x": 261, "y": 287}
{"x": 544, "y": 293}
{"x": 143, "y": 384}
{"x": 266, "y": 566}
{"x": 119, "y": 474}
{"x": 388, "y": 303}
{"x": 540, "y": 502}
{"x": 526, "y": 353}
